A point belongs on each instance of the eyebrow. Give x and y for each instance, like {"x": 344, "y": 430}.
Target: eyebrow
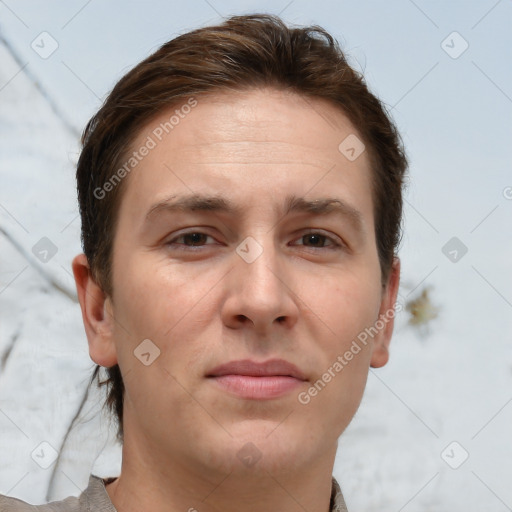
{"x": 293, "y": 204}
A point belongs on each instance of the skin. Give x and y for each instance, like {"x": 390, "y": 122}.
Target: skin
{"x": 303, "y": 300}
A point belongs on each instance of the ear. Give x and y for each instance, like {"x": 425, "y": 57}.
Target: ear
{"x": 97, "y": 314}
{"x": 380, "y": 354}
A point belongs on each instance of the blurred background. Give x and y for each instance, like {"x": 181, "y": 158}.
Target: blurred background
{"x": 433, "y": 429}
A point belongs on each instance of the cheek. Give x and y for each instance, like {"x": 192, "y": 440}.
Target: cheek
{"x": 164, "y": 305}
{"x": 336, "y": 393}
{"x": 348, "y": 308}
{"x": 169, "y": 305}
{"x": 155, "y": 295}
{"x": 353, "y": 306}
{"x": 347, "y": 304}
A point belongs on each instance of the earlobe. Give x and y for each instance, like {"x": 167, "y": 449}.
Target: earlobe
{"x": 96, "y": 314}
{"x": 380, "y": 353}
{"x": 380, "y": 356}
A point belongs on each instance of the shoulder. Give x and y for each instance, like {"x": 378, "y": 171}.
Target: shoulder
{"x": 93, "y": 498}
{"x": 10, "y": 504}
{"x": 337, "y": 501}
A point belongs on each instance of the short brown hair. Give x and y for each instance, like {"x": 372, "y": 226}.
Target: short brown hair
{"x": 240, "y": 53}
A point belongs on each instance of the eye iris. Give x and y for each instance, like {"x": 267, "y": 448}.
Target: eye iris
{"x": 313, "y": 236}
{"x": 196, "y": 238}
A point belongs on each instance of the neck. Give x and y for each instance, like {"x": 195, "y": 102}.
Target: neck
{"x": 163, "y": 483}
{"x": 255, "y": 495}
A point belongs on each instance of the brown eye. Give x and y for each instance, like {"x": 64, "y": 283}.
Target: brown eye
{"x": 316, "y": 240}
{"x": 194, "y": 238}
{"x": 190, "y": 239}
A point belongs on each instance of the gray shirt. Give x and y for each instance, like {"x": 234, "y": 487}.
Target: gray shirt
{"x": 96, "y": 499}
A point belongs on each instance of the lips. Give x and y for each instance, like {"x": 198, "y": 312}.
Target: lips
{"x": 247, "y": 367}
{"x": 250, "y": 380}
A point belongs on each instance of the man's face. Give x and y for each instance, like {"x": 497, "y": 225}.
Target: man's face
{"x": 257, "y": 284}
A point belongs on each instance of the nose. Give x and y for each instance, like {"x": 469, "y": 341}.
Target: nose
{"x": 260, "y": 292}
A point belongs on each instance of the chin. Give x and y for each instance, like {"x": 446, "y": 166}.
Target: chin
{"x": 265, "y": 444}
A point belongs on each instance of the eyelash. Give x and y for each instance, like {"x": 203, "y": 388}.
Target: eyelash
{"x": 335, "y": 244}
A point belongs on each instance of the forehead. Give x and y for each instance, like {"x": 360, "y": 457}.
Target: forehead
{"x": 257, "y": 120}
{"x": 256, "y": 145}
